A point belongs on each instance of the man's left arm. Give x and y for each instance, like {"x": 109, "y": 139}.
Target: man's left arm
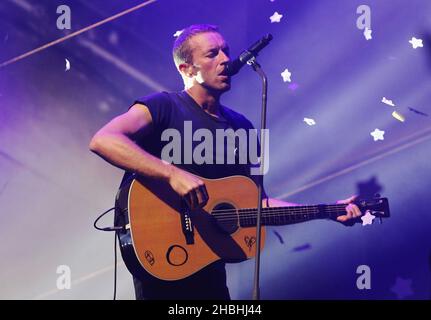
{"x": 352, "y": 210}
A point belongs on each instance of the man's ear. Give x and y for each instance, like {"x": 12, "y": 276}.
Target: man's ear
{"x": 187, "y": 69}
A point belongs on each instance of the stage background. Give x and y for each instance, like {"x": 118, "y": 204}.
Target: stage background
{"x": 52, "y": 187}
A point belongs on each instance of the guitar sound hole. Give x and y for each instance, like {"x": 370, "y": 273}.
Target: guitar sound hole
{"x": 226, "y": 217}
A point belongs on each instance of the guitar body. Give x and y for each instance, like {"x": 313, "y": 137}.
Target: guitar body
{"x": 156, "y": 240}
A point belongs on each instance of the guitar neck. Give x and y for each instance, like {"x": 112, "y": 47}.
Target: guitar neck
{"x": 289, "y": 215}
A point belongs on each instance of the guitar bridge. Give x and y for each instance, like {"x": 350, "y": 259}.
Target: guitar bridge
{"x": 187, "y": 226}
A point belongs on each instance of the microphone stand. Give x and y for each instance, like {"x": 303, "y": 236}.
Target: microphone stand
{"x": 256, "y": 67}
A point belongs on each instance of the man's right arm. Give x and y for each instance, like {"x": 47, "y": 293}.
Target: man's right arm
{"x": 113, "y": 143}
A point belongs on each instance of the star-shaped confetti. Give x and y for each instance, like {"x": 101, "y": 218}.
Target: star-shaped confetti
{"x": 367, "y": 218}
{"x": 178, "y": 33}
{"x": 286, "y": 75}
{"x": 416, "y": 43}
{"x": 398, "y": 116}
{"x": 388, "y": 102}
{"x": 367, "y": 34}
{"x": 402, "y": 288}
{"x": 309, "y": 121}
{"x": 67, "y": 65}
{"x": 378, "y": 134}
{"x": 276, "y": 17}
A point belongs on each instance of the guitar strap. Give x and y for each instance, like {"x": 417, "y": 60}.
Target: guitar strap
{"x": 224, "y": 112}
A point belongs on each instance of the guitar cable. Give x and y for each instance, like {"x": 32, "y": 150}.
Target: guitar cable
{"x": 109, "y": 229}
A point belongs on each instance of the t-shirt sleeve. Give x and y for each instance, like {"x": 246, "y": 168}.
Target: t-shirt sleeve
{"x": 160, "y": 107}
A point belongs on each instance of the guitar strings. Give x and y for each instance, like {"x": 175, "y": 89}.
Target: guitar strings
{"x": 287, "y": 210}
{"x": 293, "y": 208}
{"x": 233, "y": 215}
{"x": 271, "y": 218}
{"x": 273, "y": 213}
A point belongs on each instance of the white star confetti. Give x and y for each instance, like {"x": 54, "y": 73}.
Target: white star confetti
{"x": 388, "y": 102}
{"x": 367, "y": 34}
{"x": 309, "y": 121}
{"x": 286, "y": 75}
{"x": 416, "y": 43}
{"x": 67, "y": 65}
{"x": 398, "y": 116}
{"x": 276, "y": 17}
{"x": 178, "y": 33}
{"x": 378, "y": 134}
{"x": 367, "y": 218}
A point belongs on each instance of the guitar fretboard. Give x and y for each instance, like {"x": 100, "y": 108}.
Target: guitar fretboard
{"x": 279, "y": 215}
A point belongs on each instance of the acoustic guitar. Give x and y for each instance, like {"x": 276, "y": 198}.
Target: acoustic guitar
{"x": 171, "y": 243}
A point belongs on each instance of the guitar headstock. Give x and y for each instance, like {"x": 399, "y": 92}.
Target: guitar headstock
{"x": 378, "y": 207}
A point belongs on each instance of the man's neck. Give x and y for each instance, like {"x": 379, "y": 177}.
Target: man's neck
{"x": 208, "y": 101}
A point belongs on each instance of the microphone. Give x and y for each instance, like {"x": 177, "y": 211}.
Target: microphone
{"x": 233, "y": 67}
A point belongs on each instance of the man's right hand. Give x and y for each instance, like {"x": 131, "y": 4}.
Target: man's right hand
{"x": 190, "y": 187}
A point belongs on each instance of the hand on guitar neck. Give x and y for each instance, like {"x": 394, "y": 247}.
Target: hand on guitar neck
{"x": 352, "y": 211}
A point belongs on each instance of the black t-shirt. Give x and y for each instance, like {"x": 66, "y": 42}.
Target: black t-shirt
{"x": 179, "y": 112}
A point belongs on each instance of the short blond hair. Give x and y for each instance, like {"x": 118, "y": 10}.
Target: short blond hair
{"x": 181, "y": 51}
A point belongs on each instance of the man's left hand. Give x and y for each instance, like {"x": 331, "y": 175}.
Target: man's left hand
{"x": 352, "y": 211}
